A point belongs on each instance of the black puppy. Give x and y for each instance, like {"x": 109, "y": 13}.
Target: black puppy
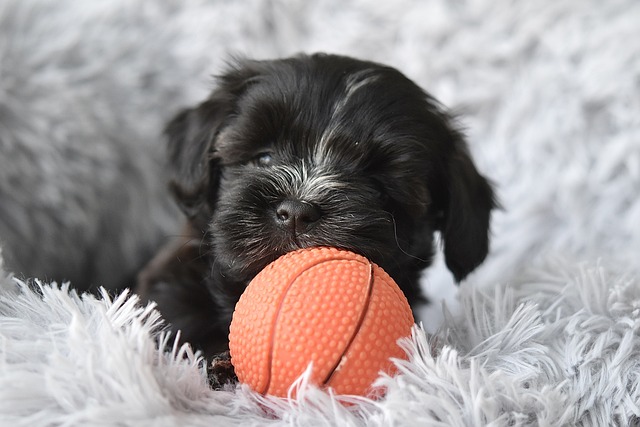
{"x": 318, "y": 150}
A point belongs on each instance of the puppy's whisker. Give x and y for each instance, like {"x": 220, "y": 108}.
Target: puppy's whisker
{"x": 204, "y": 243}
{"x": 187, "y": 240}
{"x": 395, "y": 234}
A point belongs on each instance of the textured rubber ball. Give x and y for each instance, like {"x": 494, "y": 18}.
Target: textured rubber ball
{"x": 325, "y": 306}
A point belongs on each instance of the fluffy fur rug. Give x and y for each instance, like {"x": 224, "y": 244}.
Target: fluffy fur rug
{"x": 546, "y": 332}
{"x": 559, "y": 347}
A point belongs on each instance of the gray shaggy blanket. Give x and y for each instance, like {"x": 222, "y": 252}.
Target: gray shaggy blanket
{"x": 546, "y": 332}
{"x": 560, "y": 346}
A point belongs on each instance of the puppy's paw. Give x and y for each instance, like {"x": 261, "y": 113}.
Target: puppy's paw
{"x": 221, "y": 372}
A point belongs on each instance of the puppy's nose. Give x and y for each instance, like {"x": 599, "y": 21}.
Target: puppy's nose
{"x": 297, "y": 216}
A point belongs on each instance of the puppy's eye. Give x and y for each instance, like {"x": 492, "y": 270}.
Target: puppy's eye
{"x": 263, "y": 159}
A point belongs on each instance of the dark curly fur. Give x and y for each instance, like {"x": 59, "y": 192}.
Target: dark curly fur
{"x": 318, "y": 150}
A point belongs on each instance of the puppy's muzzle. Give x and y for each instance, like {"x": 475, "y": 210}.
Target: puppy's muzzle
{"x": 296, "y": 216}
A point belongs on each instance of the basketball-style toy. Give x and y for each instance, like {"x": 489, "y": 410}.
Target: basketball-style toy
{"x": 325, "y": 306}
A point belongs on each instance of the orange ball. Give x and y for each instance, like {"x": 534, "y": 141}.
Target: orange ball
{"x": 325, "y": 306}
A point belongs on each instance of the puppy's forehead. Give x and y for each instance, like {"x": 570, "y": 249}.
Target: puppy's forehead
{"x": 326, "y": 110}
{"x": 307, "y": 109}
{"x": 354, "y": 82}
{"x": 336, "y": 125}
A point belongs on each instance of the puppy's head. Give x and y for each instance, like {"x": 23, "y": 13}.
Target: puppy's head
{"x": 328, "y": 151}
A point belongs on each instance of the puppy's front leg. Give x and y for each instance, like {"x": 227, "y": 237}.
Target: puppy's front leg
{"x": 175, "y": 279}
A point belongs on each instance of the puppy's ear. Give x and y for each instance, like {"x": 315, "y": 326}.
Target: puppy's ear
{"x": 467, "y": 212}
{"x": 190, "y": 136}
{"x": 191, "y": 139}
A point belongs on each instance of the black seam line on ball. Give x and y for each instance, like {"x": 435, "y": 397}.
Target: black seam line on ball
{"x": 336, "y": 257}
{"x": 363, "y": 314}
